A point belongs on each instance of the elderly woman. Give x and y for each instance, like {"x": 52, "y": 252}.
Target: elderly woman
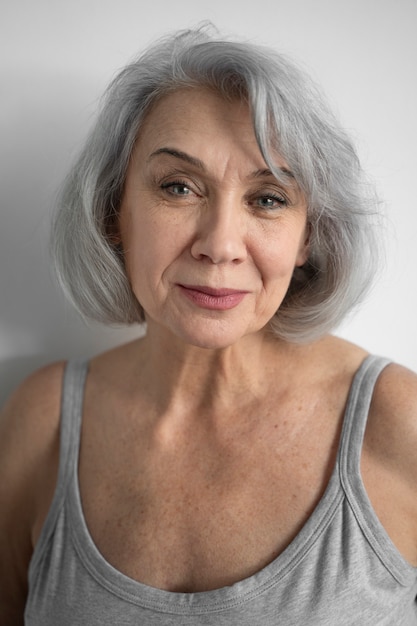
{"x": 236, "y": 464}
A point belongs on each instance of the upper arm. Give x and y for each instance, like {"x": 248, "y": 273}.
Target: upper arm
{"x": 29, "y": 451}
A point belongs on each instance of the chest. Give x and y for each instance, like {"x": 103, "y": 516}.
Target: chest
{"x": 200, "y": 515}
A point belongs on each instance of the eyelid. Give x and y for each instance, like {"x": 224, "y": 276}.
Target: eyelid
{"x": 277, "y": 204}
{"x": 277, "y": 194}
{"x": 176, "y": 175}
{"x": 175, "y": 183}
{"x": 167, "y": 185}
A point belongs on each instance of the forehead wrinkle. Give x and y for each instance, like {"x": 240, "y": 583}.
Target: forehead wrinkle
{"x": 188, "y": 158}
{"x": 177, "y": 117}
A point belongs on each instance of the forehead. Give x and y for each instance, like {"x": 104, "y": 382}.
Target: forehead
{"x": 201, "y": 122}
{"x": 184, "y": 107}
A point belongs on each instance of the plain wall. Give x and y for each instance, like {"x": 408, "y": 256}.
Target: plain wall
{"x": 56, "y": 59}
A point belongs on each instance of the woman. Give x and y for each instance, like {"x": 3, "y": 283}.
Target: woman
{"x": 236, "y": 464}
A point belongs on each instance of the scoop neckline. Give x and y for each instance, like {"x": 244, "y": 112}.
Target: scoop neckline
{"x": 202, "y": 601}
{"x": 222, "y": 598}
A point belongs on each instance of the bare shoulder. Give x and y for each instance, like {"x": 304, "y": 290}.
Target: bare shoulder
{"x": 29, "y": 452}
{"x": 37, "y": 391}
{"x": 396, "y": 386}
{"x": 389, "y": 460}
{"x": 29, "y": 428}
{"x": 392, "y": 422}
{"x": 31, "y": 412}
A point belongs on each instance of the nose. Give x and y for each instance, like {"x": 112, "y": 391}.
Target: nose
{"x": 221, "y": 234}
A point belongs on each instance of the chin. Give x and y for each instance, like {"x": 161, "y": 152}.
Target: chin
{"x": 210, "y": 336}
{"x": 212, "y": 342}
{"x": 210, "y": 331}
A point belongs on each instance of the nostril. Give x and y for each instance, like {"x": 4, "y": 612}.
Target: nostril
{"x": 218, "y": 254}
{"x": 220, "y": 245}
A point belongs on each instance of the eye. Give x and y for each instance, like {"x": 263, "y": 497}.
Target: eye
{"x": 177, "y": 188}
{"x": 270, "y": 201}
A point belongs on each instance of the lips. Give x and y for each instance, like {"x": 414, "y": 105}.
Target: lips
{"x": 211, "y": 291}
{"x": 212, "y": 298}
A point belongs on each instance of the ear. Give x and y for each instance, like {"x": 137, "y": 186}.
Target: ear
{"x": 304, "y": 249}
{"x": 114, "y": 238}
{"x": 113, "y": 235}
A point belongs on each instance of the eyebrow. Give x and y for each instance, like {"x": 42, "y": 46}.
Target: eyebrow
{"x": 183, "y": 156}
{"x": 179, "y": 154}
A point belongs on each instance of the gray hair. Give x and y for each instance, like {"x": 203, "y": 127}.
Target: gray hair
{"x": 289, "y": 116}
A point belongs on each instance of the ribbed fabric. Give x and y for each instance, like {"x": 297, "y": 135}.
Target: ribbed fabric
{"x": 341, "y": 569}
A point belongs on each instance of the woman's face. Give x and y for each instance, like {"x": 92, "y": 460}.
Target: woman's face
{"x": 211, "y": 238}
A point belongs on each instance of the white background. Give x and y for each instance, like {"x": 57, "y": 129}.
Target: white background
{"x": 57, "y": 57}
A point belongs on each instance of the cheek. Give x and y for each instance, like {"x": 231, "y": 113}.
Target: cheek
{"x": 135, "y": 241}
{"x": 150, "y": 246}
{"x": 280, "y": 255}
{"x": 303, "y": 247}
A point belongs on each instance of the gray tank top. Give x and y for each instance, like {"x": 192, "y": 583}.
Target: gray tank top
{"x": 341, "y": 569}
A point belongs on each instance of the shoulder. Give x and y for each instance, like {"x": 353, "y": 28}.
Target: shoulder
{"x": 33, "y": 407}
{"x": 29, "y": 452}
{"x": 29, "y": 430}
{"x": 29, "y": 424}
{"x": 392, "y": 422}
{"x": 396, "y": 385}
{"x": 31, "y": 412}
{"x": 389, "y": 460}
{"x": 37, "y": 392}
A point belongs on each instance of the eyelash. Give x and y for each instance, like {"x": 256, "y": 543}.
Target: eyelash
{"x": 281, "y": 200}
{"x": 175, "y": 183}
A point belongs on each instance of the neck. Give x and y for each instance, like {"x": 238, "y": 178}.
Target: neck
{"x": 184, "y": 379}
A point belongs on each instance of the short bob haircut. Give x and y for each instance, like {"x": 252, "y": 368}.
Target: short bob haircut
{"x": 289, "y": 116}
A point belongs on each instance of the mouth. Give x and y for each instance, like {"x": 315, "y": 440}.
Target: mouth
{"x": 211, "y": 298}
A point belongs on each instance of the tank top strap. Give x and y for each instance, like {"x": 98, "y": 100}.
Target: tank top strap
{"x": 356, "y": 414}
{"x": 71, "y": 418}
{"x": 72, "y": 397}
{"x": 350, "y": 468}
